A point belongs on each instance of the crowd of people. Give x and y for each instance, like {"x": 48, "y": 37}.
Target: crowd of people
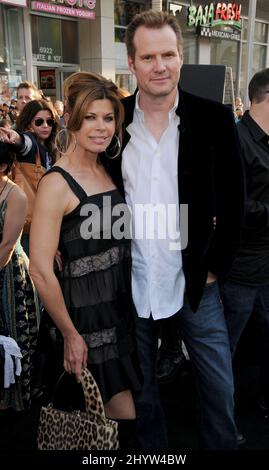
{"x": 25, "y": 92}
{"x": 108, "y": 285}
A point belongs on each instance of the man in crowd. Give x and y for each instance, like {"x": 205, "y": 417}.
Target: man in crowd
{"x": 245, "y": 291}
{"x": 26, "y": 92}
{"x": 173, "y": 154}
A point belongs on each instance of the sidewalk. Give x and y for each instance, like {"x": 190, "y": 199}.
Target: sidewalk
{"x": 179, "y": 405}
{"x": 18, "y": 430}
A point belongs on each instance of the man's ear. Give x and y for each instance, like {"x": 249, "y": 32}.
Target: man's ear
{"x": 181, "y": 55}
{"x": 131, "y": 64}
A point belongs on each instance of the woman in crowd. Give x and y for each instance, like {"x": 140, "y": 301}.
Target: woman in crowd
{"x": 18, "y": 307}
{"x": 36, "y": 130}
{"x": 90, "y": 301}
{"x": 34, "y": 136}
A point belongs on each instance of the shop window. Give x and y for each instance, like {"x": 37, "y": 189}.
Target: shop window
{"x": 14, "y": 32}
{"x": 224, "y": 52}
{"x": 124, "y": 11}
{"x": 190, "y": 41}
{"x": 259, "y": 51}
{"x": 70, "y": 42}
{"x": 3, "y": 58}
{"x": 259, "y": 58}
{"x": 259, "y": 61}
{"x": 54, "y": 40}
{"x": 12, "y": 49}
{"x": 120, "y": 34}
{"x": 244, "y": 34}
{"x": 126, "y": 81}
{"x": 15, "y": 39}
{"x": 46, "y": 39}
{"x": 260, "y": 32}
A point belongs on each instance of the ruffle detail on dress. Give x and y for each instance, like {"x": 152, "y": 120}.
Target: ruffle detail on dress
{"x": 97, "y": 287}
{"x": 116, "y": 375}
{"x": 99, "y": 262}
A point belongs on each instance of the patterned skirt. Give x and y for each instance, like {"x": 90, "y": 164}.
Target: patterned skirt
{"x": 19, "y": 319}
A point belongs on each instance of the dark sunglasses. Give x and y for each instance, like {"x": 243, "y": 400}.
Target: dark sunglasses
{"x": 39, "y": 121}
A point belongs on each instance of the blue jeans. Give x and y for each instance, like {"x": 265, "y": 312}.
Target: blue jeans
{"x": 206, "y": 338}
{"x": 151, "y": 426}
{"x": 240, "y": 302}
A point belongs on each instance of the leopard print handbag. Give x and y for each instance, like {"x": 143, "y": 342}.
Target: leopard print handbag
{"x": 78, "y": 430}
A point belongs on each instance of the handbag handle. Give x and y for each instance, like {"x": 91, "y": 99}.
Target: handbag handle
{"x": 93, "y": 400}
{"x": 91, "y": 389}
{"x": 37, "y": 154}
{"x": 37, "y": 157}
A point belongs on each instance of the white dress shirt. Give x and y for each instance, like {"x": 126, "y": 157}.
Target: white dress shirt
{"x": 150, "y": 177}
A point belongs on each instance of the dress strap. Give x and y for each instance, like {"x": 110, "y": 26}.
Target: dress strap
{"x": 9, "y": 191}
{"x": 72, "y": 183}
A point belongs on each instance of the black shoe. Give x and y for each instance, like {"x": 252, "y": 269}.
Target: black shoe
{"x": 128, "y": 439}
{"x": 241, "y": 440}
{"x": 169, "y": 365}
{"x": 264, "y": 407}
{"x": 263, "y": 404}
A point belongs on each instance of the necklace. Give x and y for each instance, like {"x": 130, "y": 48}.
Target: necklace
{"x": 2, "y": 190}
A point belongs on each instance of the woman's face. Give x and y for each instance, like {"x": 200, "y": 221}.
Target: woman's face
{"x": 42, "y": 125}
{"x": 98, "y": 127}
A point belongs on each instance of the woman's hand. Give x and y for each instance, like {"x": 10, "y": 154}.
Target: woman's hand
{"x": 75, "y": 354}
{"x": 9, "y": 136}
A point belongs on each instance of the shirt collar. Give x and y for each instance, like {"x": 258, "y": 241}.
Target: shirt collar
{"x": 256, "y": 131}
{"x": 140, "y": 112}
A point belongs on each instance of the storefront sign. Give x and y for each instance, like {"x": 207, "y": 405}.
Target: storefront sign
{"x": 19, "y": 3}
{"x": 67, "y": 8}
{"x": 208, "y": 32}
{"x": 46, "y": 54}
{"x": 215, "y": 14}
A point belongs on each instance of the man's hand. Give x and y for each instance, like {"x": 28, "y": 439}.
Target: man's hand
{"x": 9, "y": 136}
{"x": 211, "y": 278}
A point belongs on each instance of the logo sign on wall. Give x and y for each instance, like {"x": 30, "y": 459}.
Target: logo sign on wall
{"x": 19, "y": 3}
{"x": 214, "y": 33}
{"x": 82, "y": 9}
{"x": 215, "y": 14}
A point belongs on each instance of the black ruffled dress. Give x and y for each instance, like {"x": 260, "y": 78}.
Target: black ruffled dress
{"x": 96, "y": 285}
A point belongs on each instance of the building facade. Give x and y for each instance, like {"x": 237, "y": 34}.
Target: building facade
{"x": 44, "y": 41}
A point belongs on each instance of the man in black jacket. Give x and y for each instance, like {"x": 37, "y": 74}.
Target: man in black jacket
{"x": 179, "y": 151}
{"x": 245, "y": 291}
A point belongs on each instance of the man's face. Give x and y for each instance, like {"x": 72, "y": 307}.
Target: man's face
{"x": 157, "y": 61}
{"x": 24, "y": 95}
{"x": 59, "y": 107}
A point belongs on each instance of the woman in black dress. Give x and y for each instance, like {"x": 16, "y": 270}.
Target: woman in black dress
{"x": 79, "y": 210}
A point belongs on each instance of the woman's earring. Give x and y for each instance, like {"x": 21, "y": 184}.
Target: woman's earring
{"x": 63, "y": 140}
{"x": 115, "y": 148}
